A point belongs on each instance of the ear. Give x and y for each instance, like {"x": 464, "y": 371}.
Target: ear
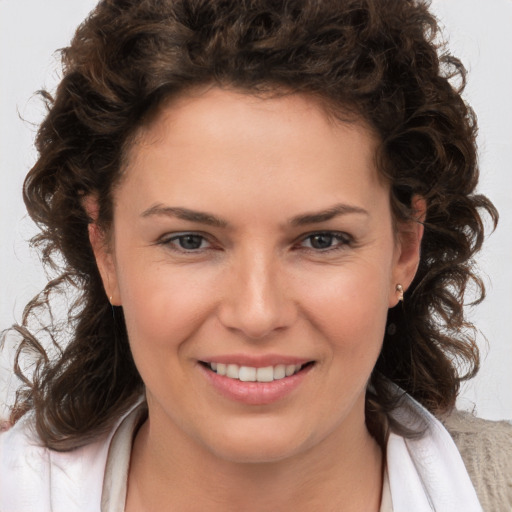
{"x": 102, "y": 248}
{"x": 409, "y": 235}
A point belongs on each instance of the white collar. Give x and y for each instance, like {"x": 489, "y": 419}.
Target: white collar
{"x": 427, "y": 474}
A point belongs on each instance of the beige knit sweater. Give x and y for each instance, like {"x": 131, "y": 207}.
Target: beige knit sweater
{"x": 486, "y": 447}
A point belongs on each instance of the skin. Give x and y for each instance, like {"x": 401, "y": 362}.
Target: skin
{"x": 258, "y": 284}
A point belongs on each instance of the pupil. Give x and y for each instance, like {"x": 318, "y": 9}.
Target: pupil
{"x": 190, "y": 241}
{"x": 321, "y": 241}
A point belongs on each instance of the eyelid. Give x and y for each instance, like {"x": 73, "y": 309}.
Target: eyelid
{"x": 167, "y": 239}
{"x": 344, "y": 238}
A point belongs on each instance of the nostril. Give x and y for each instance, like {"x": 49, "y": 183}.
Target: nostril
{"x": 255, "y": 302}
{"x": 256, "y": 322}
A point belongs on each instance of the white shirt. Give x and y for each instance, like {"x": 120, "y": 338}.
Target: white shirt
{"x": 425, "y": 474}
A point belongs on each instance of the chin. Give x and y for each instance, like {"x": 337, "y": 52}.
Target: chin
{"x": 258, "y": 445}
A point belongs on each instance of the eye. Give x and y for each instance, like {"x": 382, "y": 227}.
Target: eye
{"x": 325, "y": 241}
{"x": 186, "y": 242}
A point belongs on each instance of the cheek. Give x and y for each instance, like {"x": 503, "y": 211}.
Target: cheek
{"x": 350, "y": 308}
{"x": 163, "y": 305}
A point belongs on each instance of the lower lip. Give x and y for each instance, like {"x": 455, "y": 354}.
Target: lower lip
{"x": 255, "y": 393}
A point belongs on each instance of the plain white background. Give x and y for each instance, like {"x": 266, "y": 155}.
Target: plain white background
{"x": 478, "y": 32}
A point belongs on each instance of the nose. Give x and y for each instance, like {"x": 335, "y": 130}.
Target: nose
{"x": 257, "y": 302}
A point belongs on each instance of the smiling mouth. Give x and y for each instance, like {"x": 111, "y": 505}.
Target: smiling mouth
{"x": 253, "y": 374}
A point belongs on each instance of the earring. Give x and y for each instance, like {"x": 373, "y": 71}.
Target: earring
{"x": 400, "y": 290}
{"x": 391, "y": 329}
{"x": 112, "y": 308}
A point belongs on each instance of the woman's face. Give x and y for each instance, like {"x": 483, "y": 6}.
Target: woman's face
{"x": 253, "y": 236}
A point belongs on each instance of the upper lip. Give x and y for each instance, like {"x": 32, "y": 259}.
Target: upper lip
{"x": 256, "y": 361}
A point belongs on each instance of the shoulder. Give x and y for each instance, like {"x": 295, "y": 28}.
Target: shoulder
{"x": 486, "y": 448}
{"x": 35, "y": 478}
{"x": 24, "y": 469}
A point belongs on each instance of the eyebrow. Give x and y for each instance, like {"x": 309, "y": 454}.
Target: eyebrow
{"x": 185, "y": 214}
{"x": 325, "y": 215}
{"x": 212, "y": 220}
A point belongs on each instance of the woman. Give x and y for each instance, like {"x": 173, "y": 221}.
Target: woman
{"x": 268, "y": 212}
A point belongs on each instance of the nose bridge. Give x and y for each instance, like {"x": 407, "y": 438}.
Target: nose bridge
{"x": 256, "y": 304}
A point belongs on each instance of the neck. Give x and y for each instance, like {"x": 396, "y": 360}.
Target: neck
{"x": 342, "y": 473}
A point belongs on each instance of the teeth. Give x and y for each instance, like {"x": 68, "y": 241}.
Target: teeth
{"x": 233, "y": 371}
{"x": 280, "y": 371}
{"x": 251, "y": 374}
{"x": 247, "y": 374}
{"x": 265, "y": 374}
{"x": 289, "y": 369}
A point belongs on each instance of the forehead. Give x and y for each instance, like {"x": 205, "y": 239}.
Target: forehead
{"x": 228, "y": 114}
{"x": 237, "y": 144}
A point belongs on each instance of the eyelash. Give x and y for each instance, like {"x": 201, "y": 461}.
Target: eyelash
{"x": 168, "y": 242}
{"x": 343, "y": 240}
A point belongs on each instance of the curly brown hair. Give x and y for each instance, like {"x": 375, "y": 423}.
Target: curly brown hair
{"x": 378, "y": 59}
